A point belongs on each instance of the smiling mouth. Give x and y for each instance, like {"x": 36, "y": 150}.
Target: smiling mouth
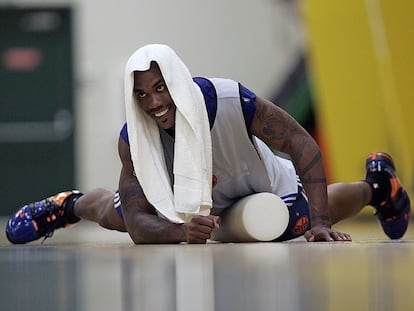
{"x": 161, "y": 113}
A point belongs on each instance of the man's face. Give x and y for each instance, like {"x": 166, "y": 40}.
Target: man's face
{"x": 153, "y": 97}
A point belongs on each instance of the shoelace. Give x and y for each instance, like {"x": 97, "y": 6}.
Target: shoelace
{"x": 49, "y": 234}
{"x": 48, "y": 212}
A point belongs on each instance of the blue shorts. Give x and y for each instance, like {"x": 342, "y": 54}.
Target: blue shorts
{"x": 299, "y": 217}
{"x": 299, "y": 220}
{"x": 117, "y": 204}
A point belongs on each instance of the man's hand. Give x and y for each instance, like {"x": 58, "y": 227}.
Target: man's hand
{"x": 322, "y": 233}
{"x": 199, "y": 229}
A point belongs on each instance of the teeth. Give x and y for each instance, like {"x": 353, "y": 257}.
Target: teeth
{"x": 161, "y": 113}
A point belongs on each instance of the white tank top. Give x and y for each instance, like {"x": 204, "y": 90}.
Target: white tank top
{"x": 242, "y": 165}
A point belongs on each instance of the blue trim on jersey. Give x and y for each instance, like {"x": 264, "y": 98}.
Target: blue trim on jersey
{"x": 210, "y": 98}
{"x": 247, "y": 101}
{"x": 124, "y": 133}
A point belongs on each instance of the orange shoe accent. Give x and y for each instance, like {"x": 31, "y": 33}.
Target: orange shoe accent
{"x": 373, "y": 156}
{"x": 395, "y": 186}
{"x": 60, "y": 197}
{"x": 386, "y": 155}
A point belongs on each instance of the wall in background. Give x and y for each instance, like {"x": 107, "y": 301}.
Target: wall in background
{"x": 255, "y": 42}
{"x": 361, "y": 56}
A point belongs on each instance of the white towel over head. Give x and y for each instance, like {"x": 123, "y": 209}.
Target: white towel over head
{"x": 191, "y": 192}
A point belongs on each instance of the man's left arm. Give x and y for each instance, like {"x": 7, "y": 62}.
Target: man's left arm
{"x": 282, "y": 132}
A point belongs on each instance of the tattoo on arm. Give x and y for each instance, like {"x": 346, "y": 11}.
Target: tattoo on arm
{"x": 282, "y": 132}
{"x": 317, "y": 160}
{"x": 133, "y": 196}
{"x": 278, "y": 129}
{"x": 312, "y": 163}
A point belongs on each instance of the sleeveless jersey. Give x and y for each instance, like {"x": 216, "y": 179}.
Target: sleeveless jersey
{"x": 242, "y": 163}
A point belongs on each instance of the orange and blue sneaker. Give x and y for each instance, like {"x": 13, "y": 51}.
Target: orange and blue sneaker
{"x": 389, "y": 198}
{"x": 40, "y": 219}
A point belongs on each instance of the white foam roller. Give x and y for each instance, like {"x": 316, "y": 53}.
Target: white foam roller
{"x": 257, "y": 217}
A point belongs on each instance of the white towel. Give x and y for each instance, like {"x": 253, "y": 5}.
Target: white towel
{"x": 192, "y": 150}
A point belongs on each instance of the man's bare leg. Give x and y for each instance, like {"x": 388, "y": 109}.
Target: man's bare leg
{"x": 346, "y": 200}
{"x": 98, "y": 206}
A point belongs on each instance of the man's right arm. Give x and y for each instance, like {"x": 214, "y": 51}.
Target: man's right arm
{"x": 140, "y": 217}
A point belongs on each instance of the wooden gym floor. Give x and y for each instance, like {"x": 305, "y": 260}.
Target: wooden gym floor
{"x": 88, "y": 268}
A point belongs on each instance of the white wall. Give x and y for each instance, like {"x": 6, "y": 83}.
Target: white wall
{"x": 254, "y": 42}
